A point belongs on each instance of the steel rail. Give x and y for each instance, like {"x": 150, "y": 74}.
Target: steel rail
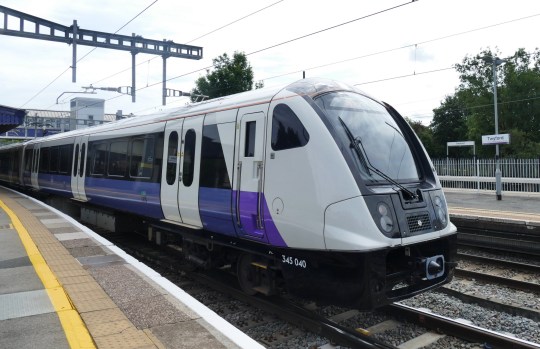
{"x": 500, "y": 262}
{"x": 459, "y": 329}
{"x": 295, "y": 315}
{"x": 521, "y": 285}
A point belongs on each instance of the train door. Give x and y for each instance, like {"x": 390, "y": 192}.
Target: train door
{"x": 171, "y": 170}
{"x": 34, "y": 173}
{"x": 78, "y": 172}
{"x": 249, "y": 175}
{"x": 189, "y": 171}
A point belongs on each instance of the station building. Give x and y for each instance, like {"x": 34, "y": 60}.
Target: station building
{"x": 22, "y": 124}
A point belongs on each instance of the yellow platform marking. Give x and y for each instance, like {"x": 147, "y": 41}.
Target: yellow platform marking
{"x": 76, "y": 332}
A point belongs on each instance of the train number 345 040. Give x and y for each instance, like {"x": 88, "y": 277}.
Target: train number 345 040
{"x": 301, "y": 263}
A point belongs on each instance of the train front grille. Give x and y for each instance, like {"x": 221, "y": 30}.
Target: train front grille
{"x": 418, "y": 222}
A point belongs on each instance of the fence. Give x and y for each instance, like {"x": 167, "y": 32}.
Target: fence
{"x": 518, "y": 175}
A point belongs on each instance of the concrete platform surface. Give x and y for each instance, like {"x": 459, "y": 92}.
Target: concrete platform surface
{"x": 484, "y": 205}
{"x": 63, "y": 286}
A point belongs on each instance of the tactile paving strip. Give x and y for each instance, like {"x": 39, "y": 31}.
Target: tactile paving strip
{"x": 87, "y": 296}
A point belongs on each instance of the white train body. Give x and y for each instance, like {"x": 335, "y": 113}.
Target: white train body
{"x": 315, "y": 182}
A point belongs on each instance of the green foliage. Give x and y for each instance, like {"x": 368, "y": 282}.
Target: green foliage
{"x": 229, "y": 76}
{"x": 423, "y": 132}
{"x": 469, "y": 112}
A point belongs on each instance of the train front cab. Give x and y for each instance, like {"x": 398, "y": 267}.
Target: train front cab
{"x": 390, "y": 238}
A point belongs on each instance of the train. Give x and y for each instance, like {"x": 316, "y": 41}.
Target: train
{"x": 314, "y": 188}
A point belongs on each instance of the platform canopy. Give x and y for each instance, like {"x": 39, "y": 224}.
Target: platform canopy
{"x": 10, "y": 118}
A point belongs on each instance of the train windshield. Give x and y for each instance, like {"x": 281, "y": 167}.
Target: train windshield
{"x": 381, "y": 150}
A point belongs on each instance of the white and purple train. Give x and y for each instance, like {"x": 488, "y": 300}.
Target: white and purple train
{"x": 315, "y": 187}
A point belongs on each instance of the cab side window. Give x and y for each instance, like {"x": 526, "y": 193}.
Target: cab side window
{"x": 287, "y": 130}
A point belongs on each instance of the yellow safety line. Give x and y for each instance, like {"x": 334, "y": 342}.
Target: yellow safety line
{"x": 76, "y": 332}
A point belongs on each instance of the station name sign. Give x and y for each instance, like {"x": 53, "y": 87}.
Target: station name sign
{"x": 496, "y": 139}
{"x": 460, "y": 144}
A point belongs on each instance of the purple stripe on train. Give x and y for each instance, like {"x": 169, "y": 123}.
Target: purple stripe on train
{"x": 218, "y": 214}
{"x": 137, "y": 197}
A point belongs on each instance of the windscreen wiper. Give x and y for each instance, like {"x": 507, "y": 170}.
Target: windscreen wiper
{"x": 355, "y": 145}
{"x": 356, "y": 142}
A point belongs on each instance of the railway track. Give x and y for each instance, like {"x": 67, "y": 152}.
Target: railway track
{"x": 502, "y": 272}
{"x": 500, "y": 236}
{"x": 344, "y": 327}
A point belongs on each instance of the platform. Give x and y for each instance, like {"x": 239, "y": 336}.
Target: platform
{"x": 517, "y": 208}
{"x": 63, "y": 286}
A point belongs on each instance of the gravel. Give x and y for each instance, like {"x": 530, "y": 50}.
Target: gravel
{"x": 452, "y": 307}
{"x": 497, "y": 293}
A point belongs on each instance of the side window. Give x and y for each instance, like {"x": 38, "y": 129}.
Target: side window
{"x": 213, "y": 166}
{"x": 142, "y": 158}
{"x": 249, "y": 146}
{"x": 188, "y": 165}
{"x": 83, "y": 156}
{"x": 36, "y": 160}
{"x": 287, "y": 130}
{"x": 44, "y": 160}
{"x": 76, "y": 162}
{"x": 28, "y": 160}
{"x": 99, "y": 155}
{"x": 66, "y": 152}
{"x": 118, "y": 159}
{"x": 172, "y": 158}
{"x": 54, "y": 159}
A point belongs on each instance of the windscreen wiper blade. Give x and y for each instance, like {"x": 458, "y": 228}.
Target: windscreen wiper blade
{"x": 355, "y": 145}
{"x": 359, "y": 147}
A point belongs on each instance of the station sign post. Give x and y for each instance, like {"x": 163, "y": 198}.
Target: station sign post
{"x": 460, "y": 144}
{"x": 497, "y": 139}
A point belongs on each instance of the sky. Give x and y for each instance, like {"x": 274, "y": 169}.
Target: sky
{"x": 398, "y": 51}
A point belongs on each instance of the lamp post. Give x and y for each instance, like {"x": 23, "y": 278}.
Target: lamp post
{"x": 496, "y": 61}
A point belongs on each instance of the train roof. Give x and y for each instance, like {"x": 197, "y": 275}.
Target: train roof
{"x": 310, "y": 87}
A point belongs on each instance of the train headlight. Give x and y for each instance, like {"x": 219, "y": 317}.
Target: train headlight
{"x": 386, "y": 222}
{"x": 440, "y": 209}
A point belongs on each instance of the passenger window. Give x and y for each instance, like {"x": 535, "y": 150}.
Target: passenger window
{"x": 65, "y": 158}
{"x": 287, "y": 130}
{"x": 83, "y": 155}
{"x": 188, "y": 165}
{"x": 249, "y": 146}
{"x": 172, "y": 158}
{"x": 117, "y": 166}
{"x": 54, "y": 159}
{"x": 99, "y": 153}
{"x": 76, "y": 162}
{"x": 28, "y": 160}
{"x": 142, "y": 158}
{"x": 213, "y": 166}
{"x": 44, "y": 160}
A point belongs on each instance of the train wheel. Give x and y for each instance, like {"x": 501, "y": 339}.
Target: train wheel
{"x": 247, "y": 274}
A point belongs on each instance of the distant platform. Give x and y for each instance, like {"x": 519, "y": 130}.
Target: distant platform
{"x": 514, "y": 207}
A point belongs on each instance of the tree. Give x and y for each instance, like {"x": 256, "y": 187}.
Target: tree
{"x": 448, "y": 124}
{"x": 424, "y": 134}
{"x": 468, "y": 113}
{"x": 229, "y": 76}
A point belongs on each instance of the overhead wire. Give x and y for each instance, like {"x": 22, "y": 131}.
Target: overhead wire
{"x": 402, "y": 47}
{"x": 68, "y": 68}
{"x": 237, "y": 20}
{"x": 44, "y": 88}
{"x": 211, "y": 32}
{"x": 122, "y": 27}
{"x": 282, "y": 43}
{"x": 354, "y": 58}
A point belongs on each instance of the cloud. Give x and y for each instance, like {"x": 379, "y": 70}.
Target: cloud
{"x": 420, "y": 54}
